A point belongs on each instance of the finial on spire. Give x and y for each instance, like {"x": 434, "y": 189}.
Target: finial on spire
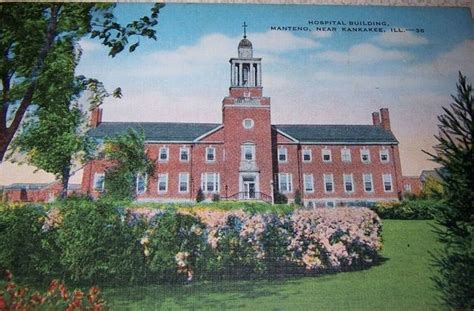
{"x": 245, "y": 30}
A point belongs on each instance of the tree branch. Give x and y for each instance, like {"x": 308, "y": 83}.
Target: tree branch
{"x": 26, "y": 101}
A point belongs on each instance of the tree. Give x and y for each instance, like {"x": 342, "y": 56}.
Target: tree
{"x": 34, "y": 37}
{"x": 455, "y": 221}
{"x": 129, "y": 159}
{"x": 298, "y": 200}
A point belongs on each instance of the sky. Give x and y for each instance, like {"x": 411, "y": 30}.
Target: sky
{"x": 313, "y": 75}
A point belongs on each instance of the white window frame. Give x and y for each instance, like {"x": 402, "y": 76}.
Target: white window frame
{"x": 211, "y": 150}
{"x": 387, "y": 178}
{"x": 288, "y": 181}
{"x": 308, "y": 180}
{"x": 210, "y": 177}
{"x": 346, "y": 178}
{"x": 145, "y": 183}
{"x": 183, "y": 150}
{"x": 244, "y": 148}
{"x": 183, "y": 177}
{"x": 282, "y": 151}
{"x": 167, "y": 152}
{"x": 165, "y": 176}
{"x": 96, "y": 181}
{"x": 384, "y": 152}
{"x": 365, "y": 179}
{"x": 363, "y": 152}
{"x": 328, "y": 178}
{"x": 308, "y": 153}
{"x": 407, "y": 188}
{"x": 346, "y": 156}
{"x": 328, "y": 152}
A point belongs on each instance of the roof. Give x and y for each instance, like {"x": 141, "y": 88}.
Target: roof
{"x": 337, "y": 133}
{"x": 155, "y": 131}
{"x": 187, "y": 132}
{"x": 245, "y": 43}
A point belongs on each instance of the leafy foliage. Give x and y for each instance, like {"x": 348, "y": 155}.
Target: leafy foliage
{"x": 408, "y": 209}
{"x": 22, "y": 241}
{"x": 39, "y": 48}
{"x": 455, "y": 152}
{"x": 128, "y": 154}
{"x": 97, "y": 246}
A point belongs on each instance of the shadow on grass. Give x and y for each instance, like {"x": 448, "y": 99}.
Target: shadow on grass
{"x": 232, "y": 291}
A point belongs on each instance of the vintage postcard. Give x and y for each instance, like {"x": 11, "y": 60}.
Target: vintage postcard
{"x": 319, "y": 106}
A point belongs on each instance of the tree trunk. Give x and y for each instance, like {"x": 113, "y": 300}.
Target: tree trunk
{"x": 65, "y": 181}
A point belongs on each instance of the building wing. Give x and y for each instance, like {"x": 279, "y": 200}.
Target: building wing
{"x": 340, "y": 134}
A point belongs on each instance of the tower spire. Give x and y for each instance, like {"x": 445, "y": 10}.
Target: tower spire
{"x": 245, "y": 30}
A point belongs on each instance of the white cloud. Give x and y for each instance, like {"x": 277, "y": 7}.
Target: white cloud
{"x": 213, "y": 50}
{"x": 449, "y": 63}
{"x": 365, "y": 53}
{"x": 401, "y": 38}
{"x": 89, "y": 45}
{"x": 321, "y": 34}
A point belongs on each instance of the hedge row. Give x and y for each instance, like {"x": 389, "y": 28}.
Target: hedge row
{"x": 86, "y": 241}
{"x": 408, "y": 209}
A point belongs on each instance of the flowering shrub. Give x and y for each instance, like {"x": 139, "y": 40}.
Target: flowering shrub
{"x": 97, "y": 241}
{"x": 57, "y": 297}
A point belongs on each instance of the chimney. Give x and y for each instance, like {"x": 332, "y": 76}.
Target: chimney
{"x": 385, "y": 118}
{"x": 96, "y": 117}
{"x": 376, "y": 118}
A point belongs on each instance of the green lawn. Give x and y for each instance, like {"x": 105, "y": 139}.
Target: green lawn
{"x": 402, "y": 282}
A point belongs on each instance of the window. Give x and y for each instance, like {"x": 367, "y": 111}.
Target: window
{"x": 328, "y": 183}
{"x": 348, "y": 183}
{"x": 365, "y": 155}
{"x": 210, "y": 182}
{"x": 327, "y": 155}
{"x": 330, "y": 204}
{"x": 183, "y": 182}
{"x": 387, "y": 182}
{"x": 282, "y": 154}
{"x": 308, "y": 183}
{"x": 184, "y": 154}
{"x": 248, "y": 152}
{"x": 407, "y": 188}
{"x": 368, "y": 184}
{"x": 141, "y": 183}
{"x": 285, "y": 182}
{"x": 162, "y": 183}
{"x": 248, "y": 123}
{"x": 210, "y": 154}
{"x": 306, "y": 155}
{"x": 384, "y": 157}
{"x": 164, "y": 154}
{"x": 346, "y": 155}
{"x": 99, "y": 182}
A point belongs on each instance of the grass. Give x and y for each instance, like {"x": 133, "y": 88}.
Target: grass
{"x": 401, "y": 282}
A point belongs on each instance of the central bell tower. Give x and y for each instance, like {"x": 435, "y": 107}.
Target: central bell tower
{"x": 247, "y": 128}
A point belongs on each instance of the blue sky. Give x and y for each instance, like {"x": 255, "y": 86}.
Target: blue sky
{"x": 311, "y": 77}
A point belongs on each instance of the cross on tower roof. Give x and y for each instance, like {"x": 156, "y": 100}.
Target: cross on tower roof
{"x": 245, "y": 29}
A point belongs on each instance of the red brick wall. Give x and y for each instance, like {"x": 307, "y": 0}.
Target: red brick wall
{"x": 414, "y": 182}
{"x": 297, "y": 167}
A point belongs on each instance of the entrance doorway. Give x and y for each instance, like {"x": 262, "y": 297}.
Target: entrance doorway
{"x": 249, "y": 187}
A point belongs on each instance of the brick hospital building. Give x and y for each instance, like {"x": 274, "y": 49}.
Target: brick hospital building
{"x": 246, "y": 157}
